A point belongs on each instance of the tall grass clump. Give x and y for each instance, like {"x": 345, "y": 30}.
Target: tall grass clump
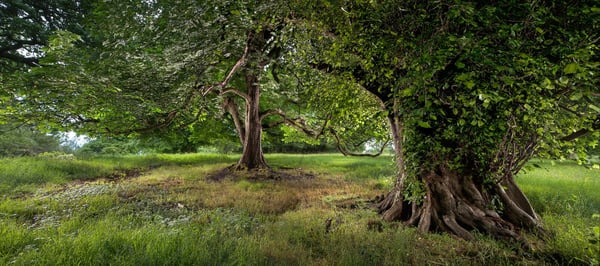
{"x": 562, "y": 188}
{"x": 117, "y": 240}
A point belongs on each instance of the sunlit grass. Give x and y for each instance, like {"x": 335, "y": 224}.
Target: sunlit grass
{"x": 171, "y": 214}
{"x": 567, "y": 196}
{"x": 562, "y": 188}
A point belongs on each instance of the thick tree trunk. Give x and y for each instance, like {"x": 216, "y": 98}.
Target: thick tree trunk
{"x": 460, "y": 205}
{"x": 252, "y": 154}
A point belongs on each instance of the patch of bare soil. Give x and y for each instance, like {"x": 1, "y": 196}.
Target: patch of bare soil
{"x": 259, "y": 174}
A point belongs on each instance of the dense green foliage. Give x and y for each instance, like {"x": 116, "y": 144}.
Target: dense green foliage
{"x": 471, "y": 78}
{"x": 133, "y": 74}
{"x": 174, "y": 215}
{"x": 473, "y": 90}
{"x": 26, "y": 25}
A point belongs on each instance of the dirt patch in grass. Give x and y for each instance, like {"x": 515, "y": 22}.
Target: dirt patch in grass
{"x": 259, "y": 175}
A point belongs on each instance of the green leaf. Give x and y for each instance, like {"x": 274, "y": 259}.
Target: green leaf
{"x": 577, "y": 96}
{"x": 470, "y": 84}
{"x": 424, "y": 124}
{"x": 570, "y": 68}
{"x": 539, "y": 30}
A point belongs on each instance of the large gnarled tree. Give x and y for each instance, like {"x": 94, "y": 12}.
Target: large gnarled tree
{"x": 473, "y": 90}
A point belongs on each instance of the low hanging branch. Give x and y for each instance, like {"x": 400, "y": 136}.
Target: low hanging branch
{"x": 344, "y": 150}
{"x": 584, "y": 131}
{"x": 169, "y": 117}
{"x": 298, "y": 123}
{"x": 230, "y": 106}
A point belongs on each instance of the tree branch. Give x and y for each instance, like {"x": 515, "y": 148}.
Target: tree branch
{"x": 236, "y": 92}
{"x": 241, "y": 62}
{"x": 577, "y": 134}
{"x": 569, "y": 110}
{"x": 231, "y": 107}
{"x": 168, "y": 120}
{"x": 582, "y": 132}
{"x": 298, "y": 123}
{"x": 342, "y": 148}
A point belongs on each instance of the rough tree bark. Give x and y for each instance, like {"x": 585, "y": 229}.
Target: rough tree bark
{"x": 458, "y": 204}
{"x": 252, "y": 154}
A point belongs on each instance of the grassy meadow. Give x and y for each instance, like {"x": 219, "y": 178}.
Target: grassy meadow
{"x": 166, "y": 210}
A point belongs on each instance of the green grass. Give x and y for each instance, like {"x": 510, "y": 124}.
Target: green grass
{"x": 562, "y": 188}
{"x": 567, "y": 196}
{"x": 348, "y": 167}
{"x": 57, "y": 212}
{"x": 24, "y": 174}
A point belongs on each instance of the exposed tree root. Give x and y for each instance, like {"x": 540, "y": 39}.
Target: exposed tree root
{"x": 456, "y": 204}
{"x": 256, "y": 166}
